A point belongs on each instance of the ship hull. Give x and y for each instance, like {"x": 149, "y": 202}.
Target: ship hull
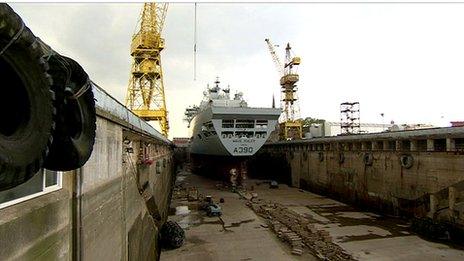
{"x": 231, "y": 132}
{"x": 218, "y": 167}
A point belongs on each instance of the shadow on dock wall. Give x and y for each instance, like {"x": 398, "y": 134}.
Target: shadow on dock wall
{"x": 110, "y": 209}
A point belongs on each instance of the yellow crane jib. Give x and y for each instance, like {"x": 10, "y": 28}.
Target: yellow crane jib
{"x": 275, "y": 58}
{"x": 145, "y": 92}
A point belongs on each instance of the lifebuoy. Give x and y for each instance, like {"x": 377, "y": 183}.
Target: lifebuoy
{"x": 368, "y": 159}
{"x": 406, "y": 161}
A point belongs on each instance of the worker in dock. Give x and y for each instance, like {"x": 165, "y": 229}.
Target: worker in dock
{"x": 233, "y": 178}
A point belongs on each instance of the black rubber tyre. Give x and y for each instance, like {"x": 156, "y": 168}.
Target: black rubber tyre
{"x": 172, "y": 235}
{"x": 26, "y": 103}
{"x": 76, "y": 121}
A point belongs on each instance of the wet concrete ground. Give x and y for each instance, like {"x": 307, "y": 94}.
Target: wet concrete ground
{"x": 241, "y": 235}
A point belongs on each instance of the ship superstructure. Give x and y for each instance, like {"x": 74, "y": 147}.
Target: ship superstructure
{"x": 226, "y": 126}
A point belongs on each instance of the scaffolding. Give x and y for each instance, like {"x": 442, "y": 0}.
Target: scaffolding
{"x": 350, "y": 122}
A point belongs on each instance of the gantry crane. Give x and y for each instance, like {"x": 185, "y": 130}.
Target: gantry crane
{"x": 145, "y": 93}
{"x": 290, "y": 125}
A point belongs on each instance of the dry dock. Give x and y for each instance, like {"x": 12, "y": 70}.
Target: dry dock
{"x": 83, "y": 177}
{"x": 239, "y": 234}
{"x": 242, "y": 234}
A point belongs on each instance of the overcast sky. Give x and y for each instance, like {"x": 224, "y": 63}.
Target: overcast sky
{"x": 403, "y": 60}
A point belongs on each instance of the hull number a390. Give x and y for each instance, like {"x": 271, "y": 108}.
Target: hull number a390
{"x": 243, "y": 150}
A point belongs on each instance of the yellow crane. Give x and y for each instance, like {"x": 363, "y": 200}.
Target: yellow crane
{"x": 290, "y": 125}
{"x": 145, "y": 93}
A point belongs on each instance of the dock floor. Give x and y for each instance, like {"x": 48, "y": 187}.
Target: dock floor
{"x": 240, "y": 234}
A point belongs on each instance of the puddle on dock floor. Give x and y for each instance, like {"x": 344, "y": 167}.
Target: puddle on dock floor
{"x": 192, "y": 219}
{"x": 357, "y": 215}
{"x": 182, "y": 210}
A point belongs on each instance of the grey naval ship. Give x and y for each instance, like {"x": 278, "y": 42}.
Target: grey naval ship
{"x": 226, "y": 127}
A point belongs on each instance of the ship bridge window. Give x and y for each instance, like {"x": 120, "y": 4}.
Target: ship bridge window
{"x": 261, "y": 124}
{"x": 245, "y": 124}
{"x": 227, "y": 134}
{"x": 244, "y": 134}
{"x": 260, "y": 134}
{"x": 227, "y": 123}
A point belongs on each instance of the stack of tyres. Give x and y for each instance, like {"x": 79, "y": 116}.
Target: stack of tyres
{"x": 75, "y": 121}
{"x": 46, "y": 119}
{"x": 27, "y": 105}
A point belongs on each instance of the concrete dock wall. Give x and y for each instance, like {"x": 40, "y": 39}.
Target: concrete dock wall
{"x": 412, "y": 173}
{"x": 110, "y": 209}
{"x": 40, "y": 228}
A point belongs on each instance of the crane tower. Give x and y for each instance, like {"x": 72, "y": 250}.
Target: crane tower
{"x": 145, "y": 93}
{"x": 290, "y": 125}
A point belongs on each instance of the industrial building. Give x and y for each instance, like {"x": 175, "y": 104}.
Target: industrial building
{"x": 329, "y": 128}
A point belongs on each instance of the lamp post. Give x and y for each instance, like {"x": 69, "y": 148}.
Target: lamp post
{"x": 383, "y": 120}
